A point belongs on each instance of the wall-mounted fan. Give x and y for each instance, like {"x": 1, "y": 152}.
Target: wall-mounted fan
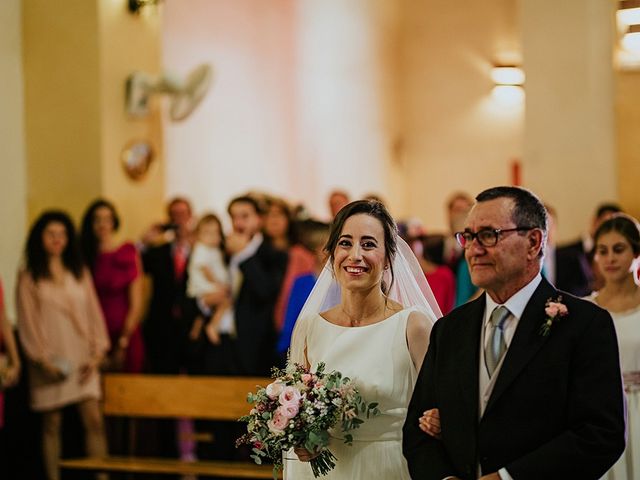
{"x": 186, "y": 93}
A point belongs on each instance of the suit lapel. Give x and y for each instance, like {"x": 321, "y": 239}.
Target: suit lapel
{"x": 527, "y": 340}
{"x": 469, "y": 353}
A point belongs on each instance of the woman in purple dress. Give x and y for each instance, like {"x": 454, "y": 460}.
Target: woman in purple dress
{"x": 116, "y": 271}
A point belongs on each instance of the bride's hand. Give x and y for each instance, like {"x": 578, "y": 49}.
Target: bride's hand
{"x": 429, "y": 423}
{"x": 305, "y": 455}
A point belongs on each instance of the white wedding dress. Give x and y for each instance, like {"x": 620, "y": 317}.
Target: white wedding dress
{"x": 628, "y": 331}
{"x": 377, "y": 358}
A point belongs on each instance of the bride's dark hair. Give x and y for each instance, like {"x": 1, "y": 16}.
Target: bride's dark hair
{"x": 376, "y": 210}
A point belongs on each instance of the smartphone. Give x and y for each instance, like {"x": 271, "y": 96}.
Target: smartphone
{"x": 168, "y": 226}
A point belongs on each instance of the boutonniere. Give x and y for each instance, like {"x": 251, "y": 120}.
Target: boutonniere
{"x": 555, "y": 310}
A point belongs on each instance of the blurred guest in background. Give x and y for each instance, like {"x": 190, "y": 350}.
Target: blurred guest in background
{"x": 313, "y": 235}
{"x": 117, "y": 277}
{"x": 116, "y": 271}
{"x": 549, "y": 266}
{"x": 458, "y": 207}
{"x": 63, "y": 333}
{"x": 257, "y": 269}
{"x": 337, "y": 200}
{"x": 246, "y": 330}
{"x": 440, "y": 277}
{"x": 428, "y": 251}
{"x": 278, "y": 226}
{"x": 574, "y": 261}
{"x": 9, "y": 357}
{"x": 167, "y": 322}
{"x": 300, "y": 259}
{"x": 617, "y": 253}
{"x": 169, "y": 317}
{"x": 208, "y": 273}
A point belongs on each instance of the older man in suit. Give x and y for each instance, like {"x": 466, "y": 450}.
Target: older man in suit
{"x": 525, "y": 389}
{"x": 256, "y": 268}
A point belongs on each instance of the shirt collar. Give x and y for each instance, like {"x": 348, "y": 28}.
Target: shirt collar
{"x": 517, "y": 302}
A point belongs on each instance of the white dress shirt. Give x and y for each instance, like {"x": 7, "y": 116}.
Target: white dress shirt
{"x": 516, "y": 305}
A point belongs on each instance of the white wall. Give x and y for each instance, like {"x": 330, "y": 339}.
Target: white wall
{"x": 300, "y": 102}
{"x": 241, "y": 136}
{"x": 13, "y": 211}
{"x": 346, "y": 104}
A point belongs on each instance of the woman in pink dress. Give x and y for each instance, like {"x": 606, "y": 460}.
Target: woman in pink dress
{"x": 116, "y": 276}
{"x": 63, "y": 334}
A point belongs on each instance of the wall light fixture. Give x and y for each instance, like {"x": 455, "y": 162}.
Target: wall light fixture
{"x": 509, "y": 81}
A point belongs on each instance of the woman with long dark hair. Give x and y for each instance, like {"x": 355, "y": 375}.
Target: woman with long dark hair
{"x": 115, "y": 269}
{"x": 369, "y": 316}
{"x": 63, "y": 334}
{"x": 617, "y": 254}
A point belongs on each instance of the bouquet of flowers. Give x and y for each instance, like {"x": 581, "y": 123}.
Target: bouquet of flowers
{"x": 297, "y": 410}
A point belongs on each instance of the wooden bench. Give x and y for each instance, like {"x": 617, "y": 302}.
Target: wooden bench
{"x": 175, "y": 396}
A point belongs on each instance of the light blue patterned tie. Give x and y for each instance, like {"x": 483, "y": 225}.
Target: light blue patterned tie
{"x": 496, "y": 346}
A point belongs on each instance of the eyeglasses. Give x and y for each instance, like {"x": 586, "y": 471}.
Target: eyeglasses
{"x": 487, "y": 237}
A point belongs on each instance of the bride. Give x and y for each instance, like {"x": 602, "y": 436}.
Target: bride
{"x": 369, "y": 316}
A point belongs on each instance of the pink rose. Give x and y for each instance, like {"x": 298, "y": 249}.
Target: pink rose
{"x": 554, "y": 309}
{"x": 278, "y": 423}
{"x": 274, "y": 389}
{"x": 306, "y": 378}
{"x": 288, "y": 411}
{"x": 289, "y": 396}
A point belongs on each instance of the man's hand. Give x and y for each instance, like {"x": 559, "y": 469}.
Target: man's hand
{"x": 429, "y": 423}
{"x": 491, "y": 476}
{"x": 216, "y": 297}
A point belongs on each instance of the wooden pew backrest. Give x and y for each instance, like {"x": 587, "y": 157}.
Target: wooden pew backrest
{"x": 160, "y": 396}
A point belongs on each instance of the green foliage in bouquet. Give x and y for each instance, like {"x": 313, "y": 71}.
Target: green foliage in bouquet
{"x": 297, "y": 410}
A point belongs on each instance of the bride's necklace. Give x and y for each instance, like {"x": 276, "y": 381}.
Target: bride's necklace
{"x": 355, "y": 322}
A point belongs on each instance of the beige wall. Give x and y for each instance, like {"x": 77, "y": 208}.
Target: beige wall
{"x": 627, "y": 102}
{"x": 570, "y": 157}
{"x": 62, "y": 104}
{"x": 242, "y": 135}
{"x": 77, "y": 56}
{"x": 13, "y": 211}
{"x": 347, "y": 103}
{"x": 128, "y": 43}
{"x": 456, "y": 137}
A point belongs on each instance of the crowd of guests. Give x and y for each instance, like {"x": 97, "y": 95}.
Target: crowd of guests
{"x": 218, "y": 303}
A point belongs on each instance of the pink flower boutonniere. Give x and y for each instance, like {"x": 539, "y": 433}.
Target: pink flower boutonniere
{"x": 555, "y": 310}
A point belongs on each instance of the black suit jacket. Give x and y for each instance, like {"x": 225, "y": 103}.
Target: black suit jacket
{"x": 574, "y": 273}
{"x": 262, "y": 276}
{"x": 557, "y": 408}
{"x": 170, "y": 312}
